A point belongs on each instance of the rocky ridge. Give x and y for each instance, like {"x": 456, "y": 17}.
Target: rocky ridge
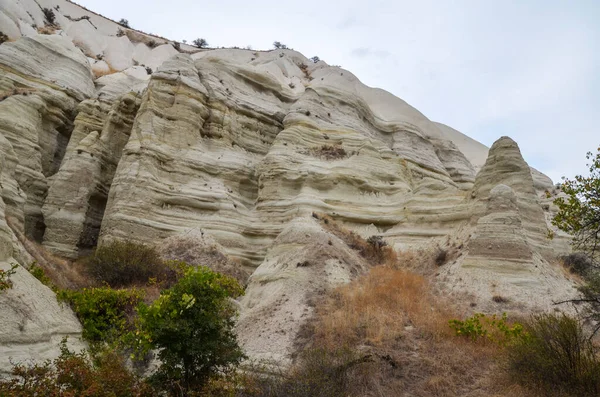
{"x": 245, "y": 145}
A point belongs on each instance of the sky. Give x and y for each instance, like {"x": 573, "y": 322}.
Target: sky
{"x": 488, "y": 68}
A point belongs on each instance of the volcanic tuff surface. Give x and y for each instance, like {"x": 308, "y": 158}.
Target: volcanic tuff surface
{"x": 109, "y": 133}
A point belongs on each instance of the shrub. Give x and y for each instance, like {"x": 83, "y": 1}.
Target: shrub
{"x": 318, "y": 372}
{"x": 49, "y": 15}
{"x": 152, "y": 43}
{"x": 315, "y": 59}
{"x": 124, "y": 22}
{"x": 148, "y": 70}
{"x": 3, "y": 37}
{"x": 441, "y": 256}
{"x": 555, "y": 356}
{"x": 329, "y": 152}
{"x": 200, "y": 43}
{"x": 123, "y": 263}
{"x": 105, "y": 313}
{"x": 103, "y": 375}
{"x": 39, "y": 273}
{"x": 192, "y": 326}
{"x": 482, "y": 327}
{"x": 5, "y": 282}
{"x": 375, "y": 254}
{"x": 278, "y": 45}
{"x": 578, "y": 263}
{"x": 500, "y": 299}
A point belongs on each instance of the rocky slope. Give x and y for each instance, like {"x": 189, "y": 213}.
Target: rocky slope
{"x": 108, "y": 133}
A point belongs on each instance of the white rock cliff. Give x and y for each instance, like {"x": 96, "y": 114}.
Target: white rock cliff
{"x": 108, "y": 133}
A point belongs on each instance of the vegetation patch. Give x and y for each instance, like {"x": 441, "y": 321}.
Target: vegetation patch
{"x": 487, "y": 328}
{"x": 104, "y": 374}
{"x": 125, "y": 263}
{"x": 5, "y": 282}
{"x": 105, "y": 314}
{"x": 375, "y": 250}
{"x": 191, "y": 325}
{"x": 329, "y": 152}
{"x": 555, "y": 357}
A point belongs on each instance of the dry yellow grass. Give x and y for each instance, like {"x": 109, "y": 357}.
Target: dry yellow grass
{"x": 380, "y": 307}
{"x": 374, "y": 254}
{"x": 391, "y": 316}
{"x": 63, "y": 273}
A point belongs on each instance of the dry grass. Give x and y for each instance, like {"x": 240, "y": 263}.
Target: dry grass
{"x": 47, "y": 29}
{"x": 374, "y": 253}
{"x": 101, "y": 73}
{"x": 391, "y": 317}
{"x": 63, "y": 273}
{"x": 16, "y": 91}
{"x": 380, "y": 307}
{"x": 329, "y": 152}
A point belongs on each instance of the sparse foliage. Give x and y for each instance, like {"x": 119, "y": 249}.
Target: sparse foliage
{"x": 579, "y": 215}
{"x": 555, "y": 356}
{"x": 487, "y": 328}
{"x": 279, "y": 46}
{"x": 579, "y": 212}
{"x": 104, "y": 374}
{"x": 315, "y": 59}
{"x": 200, "y": 43}
{"x": 124, "y": 22}
{"x": 5, "y": 282}
{"x": 49, "y": 15}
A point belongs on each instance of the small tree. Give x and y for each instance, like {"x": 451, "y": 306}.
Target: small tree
{"x": 579, "y": 215}
{"x": 579, "y": 212}
{"x": 279, "y": 46}
{"x": 124, "y": 22}
{"x": 192, "y": 326}
{"x": 315, "y": 59}
{"x": 200, "y": 43}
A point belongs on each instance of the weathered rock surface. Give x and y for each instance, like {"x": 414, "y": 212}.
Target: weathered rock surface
{"x": 33, "y": 322}
{"x": 303, "y": 263}
{"x": 108, "y": 133}
{"x": 506, "y": 262}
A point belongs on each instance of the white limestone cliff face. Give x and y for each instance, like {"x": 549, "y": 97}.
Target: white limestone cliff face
{"x": 109, "y": 133}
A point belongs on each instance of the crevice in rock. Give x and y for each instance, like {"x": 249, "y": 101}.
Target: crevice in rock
{"x": 91, "y": 226}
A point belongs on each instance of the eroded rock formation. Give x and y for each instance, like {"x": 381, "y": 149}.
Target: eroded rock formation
{"x": 108, "y": 133}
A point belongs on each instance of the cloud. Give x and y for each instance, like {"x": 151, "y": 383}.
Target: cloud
{"x": 364, "y": 52}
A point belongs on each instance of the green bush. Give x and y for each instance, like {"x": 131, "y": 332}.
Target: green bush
{"x": 102, "y": 375}
{"x": 488, "y": 328}
{"x": 105, "y": 313}
{"x": 5, "y": 282}
{"x": 124, "y": 263}
{"x": 555, "y": 356}
{"x": 37, "y": 272}
{"x": 192, "y": 326}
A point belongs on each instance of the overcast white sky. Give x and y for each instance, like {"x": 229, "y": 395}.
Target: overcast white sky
{"x": 526, "y": 69}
